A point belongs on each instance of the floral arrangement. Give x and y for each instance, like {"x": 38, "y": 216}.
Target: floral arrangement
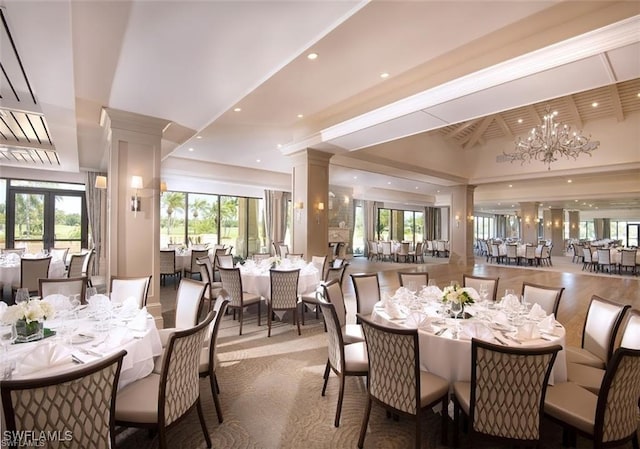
{"x": 457, "y": 293}
{"x": 29, "y": 311}
{"x": 272, "y": 261}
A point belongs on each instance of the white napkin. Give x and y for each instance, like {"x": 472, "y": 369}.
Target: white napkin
{"x": 547, "y": 324}
{"x": 43, "y": 356}
{"x": 3, "y": 308}
{"x": 60, "y": 303}
{"x": 501, "y": 319}
{"x": 394, "y": 310}
{"x": 139, "y": 321}
{"x": 12, "y": 258}
{"x": 537, "y": 312}
{"x": 477, "y": 330}
{"x": 510, "y": 303}
{"x": 528, "y": 331}
{"x": 129, "y": 307}
{"x": 418, "y": 320}
{"x": 431, "y": 292}
{"x": 117, "y": 337}
{"x": 96, "y": 301}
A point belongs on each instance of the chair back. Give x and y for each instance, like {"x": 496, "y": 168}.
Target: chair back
{"x": 440, "y": 246}
{"x": 87, "y": 264}
{"x": 394, "y": 365}
{"x": 320, "y": 262}
{"x": 63, "y": 286}
{"x": 631, "y": 334}
{"x": 335, "y": 343}
{"x": 33, "y": 269}
{"x": 283, "y": 250}
{"x": 189, "y": 302}
{"x": 167, "y": 261}
{"x": 179, "y": 378}
{"x": 604, "y": 256}
{"x": 586, "y": 252}
{"x": 195, "y": 255}
{"x": 81, "y": 402}
{"x": 206, "y": 274}
{"x": 76, "y": 264}
{"x": 367, "y": 289}
{"x": 404, "y": 249}
{"x": 529, "y": 252}
{"x": 512, "y": 251}
{"x": 628, "y": 257}
{"x": 219, "y": 309}
{"x": 257, "y": 257}
{"x": 232, "y": 284}
{"x": 284, "y": 289}
{"x": 332, "y": 293}
{"x": 126, "y": 287}
{"x": 59, "y": 254}
{"x": 386, "y": 248}
{"x": 617, "y": 409}
{"x": 414, "y": 280}
{"x": 508, "y": 386}
{"x": 336, "y": 273}
{"x": 224, "y": 261}
{"x": 337, "y": 263}
{"x": 475, "y": 281}
{"x": 546, "y": 297}
{"x": 601, "y": 325}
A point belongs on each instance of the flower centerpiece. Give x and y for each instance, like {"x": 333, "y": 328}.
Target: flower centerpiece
{"x": 28, "y": 317}
{"x": 455, "y": 293}
{"x": 272, "y": 261}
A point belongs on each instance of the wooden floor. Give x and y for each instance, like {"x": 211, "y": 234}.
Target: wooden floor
{"x": 579, "y": 287}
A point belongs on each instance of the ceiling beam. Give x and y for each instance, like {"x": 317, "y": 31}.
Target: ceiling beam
{"x": 479, "y": 131}
{"x": 503, "y": 125}
{"x": 533, "y": 114}
{"x": 573, "y": 110}
{"x": 462, "y": 127}
{"x": 615, "y": 102}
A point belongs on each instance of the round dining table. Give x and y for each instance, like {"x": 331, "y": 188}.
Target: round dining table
{"x": 256, "y": 277}
{"x": 10, "y": 270}
{"x": 445, "y": 343}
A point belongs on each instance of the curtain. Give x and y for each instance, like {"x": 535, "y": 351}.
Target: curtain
{"x": 94, "y": 215}
{"x": 501, "y": 226}
{"x": 275, "y": 211}
{"x": 369, "y": 221}
{"x": 433, "y": 223}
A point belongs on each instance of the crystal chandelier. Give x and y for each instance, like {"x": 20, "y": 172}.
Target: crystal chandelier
{"x": 549, "y": 141}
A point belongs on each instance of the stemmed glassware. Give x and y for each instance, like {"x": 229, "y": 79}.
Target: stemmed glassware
{"x": 456, "y": 309}
{"x": 91, "y": 291}
{"x": 22, "y": 295}
{"x": 483, "y": 291}
{"x": 8, "y": 335}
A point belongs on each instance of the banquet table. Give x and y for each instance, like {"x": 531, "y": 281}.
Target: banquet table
{"x": 10, "y": 270}
{"x": 256, "y": 276}
{"x": 616, "y": 256}
{"x": 448, "y": 355}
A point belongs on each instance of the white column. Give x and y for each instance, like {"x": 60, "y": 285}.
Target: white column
{"x": 461, "y": 226}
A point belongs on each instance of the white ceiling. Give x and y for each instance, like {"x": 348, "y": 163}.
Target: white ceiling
{"x": 194, "y": 62}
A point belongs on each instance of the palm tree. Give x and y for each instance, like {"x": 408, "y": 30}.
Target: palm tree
{"x": 172, "y": 202}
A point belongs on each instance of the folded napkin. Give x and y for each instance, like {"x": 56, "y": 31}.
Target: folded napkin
{"x": 528, "y": 331}
{"x": 12, "y": 258}
{"x": 60, "y": 303}
{"x": 117, "y": 337}
{"x": 477, "y": 330}
{"x": 129, "y": 307}
{"x": 43, "y": 356}
{"x": 394, "y": 310}
{"x": 510, "y": 303}
{"x": 537, "y": 312}
{"x": 139, "y": 321}
{"x": 3, "y": 308}
{"x": 547, "y": 325}
{"x": 403, "y": 293}
{"x": 431, "y": 292}
{"x": 418, "y": 320}
{"x": 99, "y": 301}
{"x": 501, "y": 319}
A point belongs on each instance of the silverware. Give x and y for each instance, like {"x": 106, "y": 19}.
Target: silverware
{"x": 510, "y": 338}
{"x": 440, "y": 332}
{"x": 75, "y": 359}
{"x": 501, "y": 341}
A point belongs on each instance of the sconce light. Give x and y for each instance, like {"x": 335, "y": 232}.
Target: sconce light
{"x": 319, "y": 208}
{"x": 346, "y": 199}
{"x": 548, "y": 224}
{"x": 163, "y": 187}
{"x": 470, "y": 218}
{"x": 298, "y": 206}
{"x": 101, "y": 182}
{"x": 457, "y": 221}
{"x": 136, "y": 183}
{"x": 527, "y": 221}
{"x": 557, "y": 223}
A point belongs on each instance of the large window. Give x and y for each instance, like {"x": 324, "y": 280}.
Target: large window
{"x": 400, "y": 225}
{"x": 587, "y": 230}
{"x": 358, "y": 229}
{"x": 483, "y": 227}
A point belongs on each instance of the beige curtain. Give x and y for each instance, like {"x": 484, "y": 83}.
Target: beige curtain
{"x": 275, "y": 211}
{"x": 94, "y": 215}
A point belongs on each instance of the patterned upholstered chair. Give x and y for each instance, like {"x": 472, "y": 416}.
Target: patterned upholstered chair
{"x": 30, "y": 271}
{"x": 208, "y": 358}
{"x": 336, "y": 272}
{"x": 63, "y": 286}
{"x": 189, "y": 300}
{"x": 284, "y": 295}
{"x": 76, "y": 265}
{"x": 332, "y": 293}
{"x": 609, "y": 418}
{"x": 81, "y": 402}
{"x": 547, "y": 297}
{"x": 159, "y": 400}
{"x": 506, "y": 394}
{"x": 206, "y": 273}
{"x": 122, "y": 288}
{"x": 413, "y": 280}
{"x": 367, "y": 289}
{"x": 598, "y": 335}
{"x": 395, "y": 380}
{"x": 232, "y": 283}
{"x": 310, "y": 300}
{"x": 344, "y": 360}
{"x": 475, "y": 281}
{"x": 168, "y": 267}
{"x": 193, "y": 266}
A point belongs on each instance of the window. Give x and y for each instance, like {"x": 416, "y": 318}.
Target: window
{"x": 172, "y": 222}
{"x": 483, "y": 228}
{"x": 401, "y": 225}
{"x": 3, "y": 213}
{"x": 358, "y": 229}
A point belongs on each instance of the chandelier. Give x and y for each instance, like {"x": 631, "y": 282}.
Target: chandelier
{"x": 549, "y": 141}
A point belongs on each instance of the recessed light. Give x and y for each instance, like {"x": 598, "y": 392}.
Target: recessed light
{"x": 279, "y": 145}
{"x": 355, "y": 177}
{"x": 190, "y": 149}
{"x": 590, "y": 205}
{"x": 569, "y": 181}
{"x": 513, "y": 205}
{"x": 638, "y": 94}
{"x": 300, "y": 115}
{"x": 520, "y": 120}
{"x": 510, "y": 185}
{"x": 417, "y": 187}
{"x": 499, "y": 204}
{"x": 389, "y": 183}
{"x": 541, "y": 204}
{"x": 437, "y": 191}
{"x": 384, "y": 75}
{"x": 258, "y": 161}
{"x": 237, "y": 110}
{"x": 575, "y": 201}
{"x": 312, "y": 56}
{"x": 198, "y": 137}
{"x": 594, "y": 104}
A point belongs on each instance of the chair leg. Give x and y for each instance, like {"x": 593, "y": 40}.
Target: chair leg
{"x": 365, "y": 423}
{"x": 215, "y": 379}
{"x": 259, "y": 312}
{"x": 214, "y": 392}
{"x": 456, "y": 423}
{"x": 445, "y": 416}
{"x": 297, "y": 319}
{"x": 418, "y": 433}
{"x": 327, "y": 370}
{"x": 302, "y": 306}
{"x": 203, "y": 423}
{"x": 241, "y": 318}
{"x": 340, "y": 397}
{"x": 269, "y": 313}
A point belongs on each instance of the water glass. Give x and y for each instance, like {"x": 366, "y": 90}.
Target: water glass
{"x": 483, "y": 291}
{"x": 432, "y": 283}
{"x": 91, "y": 291}
{"x": 22, "y": 295}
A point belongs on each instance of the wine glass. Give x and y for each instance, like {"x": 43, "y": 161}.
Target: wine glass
{"x": 483, "y": 291}
{"x": 91, "y": 291}
{"x": 432, "y": 283}
{"x": 456, "y": 309}
{"x": 8, "y": 335}
{"x": 22, "y": 295}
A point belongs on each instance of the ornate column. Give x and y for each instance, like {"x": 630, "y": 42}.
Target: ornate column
{"x": 529, "y": 215}
{"x": 461, "y": 226}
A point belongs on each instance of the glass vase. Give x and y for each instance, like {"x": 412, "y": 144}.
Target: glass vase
{"x": 29, "y": 331}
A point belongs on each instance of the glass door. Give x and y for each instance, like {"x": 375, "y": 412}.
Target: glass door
{"x": 632, "y": 234}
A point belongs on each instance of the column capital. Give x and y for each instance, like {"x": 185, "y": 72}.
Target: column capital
{"x": 130, "y": 121}
{"x": 312, "y": 156}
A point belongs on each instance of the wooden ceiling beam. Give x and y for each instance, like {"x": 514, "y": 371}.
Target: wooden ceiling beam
{"x": 616, "y": 103}
{"x": 479, "y": 131}
{"x": 573, "y": 110}
{"x": 463, "y": 126}
{"x": 503, "y": 125}
{"x": 533, "y": 114}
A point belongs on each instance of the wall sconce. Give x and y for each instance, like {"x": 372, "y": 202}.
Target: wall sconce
{"x": 136, "y": 183}
{"x": 557, "y": 224}
{"x": 298, "y": 206}
{"x": 457, "y": 221}
{"x": 471, "y": 218}
{"x": 101, "y": 182}
{"x": 346, "y": 199}
{"x": 319, "y": 208}
{"x": 163, "y": 187}
{"x": 548, "y": 224}
{"x": 527, "y": 221}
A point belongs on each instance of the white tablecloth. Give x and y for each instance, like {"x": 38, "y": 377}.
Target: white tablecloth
{"x": 256, "y": 278}
{"x": 10, "y": 272}
{"x": 451, "y": 358}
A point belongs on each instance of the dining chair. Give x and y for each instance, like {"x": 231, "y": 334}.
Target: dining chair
{"x": 320, "y": 264}
{"x": 609, "y": 418}
{"x": 495, "y": 253}
{"x": 598, "y": 334}
{"x": 80, "y": 402}
{"x": 367, "y": 289}
{"x": 337, "y": 273}
{"x": 168, "y": 267}
{"x": 32, "y": 269}
{"x": 212, "y": 288}
{"x": 193, "y": 266}
{"x": 331, "y": 292}
{"x": 512, "y": 254}
{"x": 588, "y": 263}
{"x": 343, "y": 360}
{"x": 208, "y": 356}
{"x": 63, "y": 286}
{"x": 372, "y": 250}
{"x": 162, "y": 399}
{"x": 544, "y": 258}
{"x": 121, "y": 288}
{"x": 59, "y": 254}
{"x": 311, "y": 299}
{"x": 628, "y": 261}
{"x": 258, "y": 257}
{"x": 284, "y": 295}
{"x": 441, "y": 248}
{"x": 239, "y": 299}
{"x": 604, "y": 260}
{"x": 628, "y": 336}
{"x": 224, "y": 261}
{"x": 577, "y": 256}
{"x": 283, "y": 250}
{"x": 189, "y": 303}
{"x": 505, "y": 396}
{"x": 413, "y": 280}
{"x": 475, "y": 282}
{"x": 396, "y": 381}
{"x": 77, "y": 264}
{"x": 529, "y": 255}
{"x": 403, "y": 251}
{"x": 546, "y": 297}
{"x": 386, "y": 253}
